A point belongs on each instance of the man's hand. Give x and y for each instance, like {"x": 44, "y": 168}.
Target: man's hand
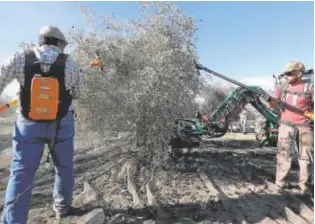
{"x": 282, "y": 106}
{"x": 266, "y": 97}
{"x": 271, "y": 102}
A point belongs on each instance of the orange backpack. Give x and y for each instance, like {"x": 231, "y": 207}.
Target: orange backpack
{"x": 44, "y": 96}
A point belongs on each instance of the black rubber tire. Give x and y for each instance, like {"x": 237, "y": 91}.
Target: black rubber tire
{"x": 273, "y": 142}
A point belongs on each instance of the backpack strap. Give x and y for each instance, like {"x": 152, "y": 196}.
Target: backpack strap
{"x": 283, "y": 91}
{"x": 61, "y": 59}
{"x": 308, "y": 90}
{"x": 308, "y": 93}
{"x": 30, "y": 57}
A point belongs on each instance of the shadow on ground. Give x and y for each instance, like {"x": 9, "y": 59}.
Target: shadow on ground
{"x": 224, "y": 166}
{"x": 251, "y": 208}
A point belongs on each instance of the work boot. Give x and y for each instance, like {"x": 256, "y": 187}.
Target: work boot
{"x": 281, "y": 185}
{"x": 64, "y": 212}
{"x": 60, "y": 212}
{"x": 303, "y": 190}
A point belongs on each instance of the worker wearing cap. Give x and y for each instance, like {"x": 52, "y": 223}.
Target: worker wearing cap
{"x": 295, "y": 131}
{"x": 29, "y": 137}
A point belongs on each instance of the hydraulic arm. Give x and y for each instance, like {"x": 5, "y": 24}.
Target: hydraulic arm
{"x": 259, "y": 92}
{"x": 232, "y": 105}
{"x": 193, "y": 130}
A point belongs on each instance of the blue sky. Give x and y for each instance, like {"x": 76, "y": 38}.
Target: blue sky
{"x": 243, "y": 40}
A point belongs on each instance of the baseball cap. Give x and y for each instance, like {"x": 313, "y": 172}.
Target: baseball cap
{"x": 52, "y": 31}
{"x": 294, "y": 66}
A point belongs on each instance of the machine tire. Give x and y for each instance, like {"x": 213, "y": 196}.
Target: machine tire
{"x": 272, "y": 142}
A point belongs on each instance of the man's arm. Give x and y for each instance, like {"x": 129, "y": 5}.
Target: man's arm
{"x": 272, "y": 103}
{"x": 8, "y": 72}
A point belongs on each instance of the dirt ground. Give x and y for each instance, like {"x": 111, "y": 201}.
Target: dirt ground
{"x": 228, "y": 180}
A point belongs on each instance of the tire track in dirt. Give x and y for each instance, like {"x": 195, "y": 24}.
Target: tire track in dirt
{"x": 185, "y": 195}
{"x": 223, "y": 185}
{"x": 296, "y": 212}
{"x": 230, "y": 206}
{"x": 252, "y": 198}
{"x": 232, "y": 195}
{"x": 257, "y": 203}
{"x": 251, "y": 210}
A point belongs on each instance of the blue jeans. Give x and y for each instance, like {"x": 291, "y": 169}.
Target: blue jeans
{"x": 28, "y": 142}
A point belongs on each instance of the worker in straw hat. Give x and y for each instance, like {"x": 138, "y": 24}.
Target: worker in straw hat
{"x": 295, "y": 131}
{"x": 49, "y": 80}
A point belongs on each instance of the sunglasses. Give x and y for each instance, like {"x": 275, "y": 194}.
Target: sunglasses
{"x": 290, "y": 73}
